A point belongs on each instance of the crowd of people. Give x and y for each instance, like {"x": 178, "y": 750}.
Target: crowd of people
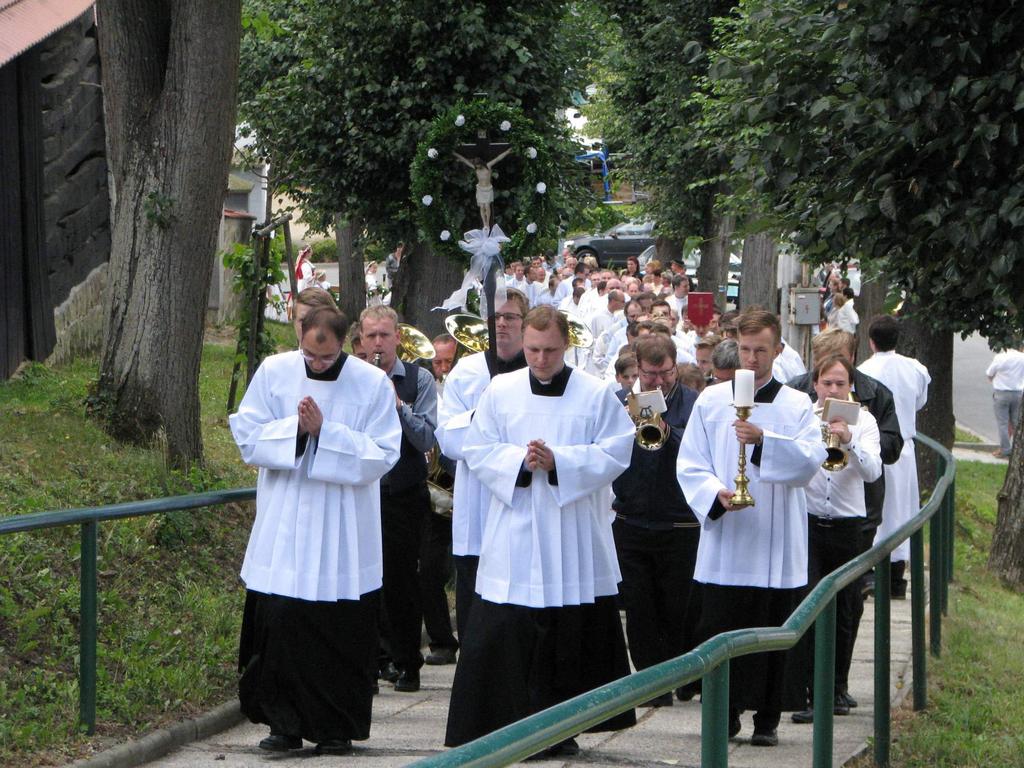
{"x": 560, "y": 516}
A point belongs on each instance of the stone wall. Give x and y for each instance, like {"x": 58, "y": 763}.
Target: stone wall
{"x": 80, "y": 318}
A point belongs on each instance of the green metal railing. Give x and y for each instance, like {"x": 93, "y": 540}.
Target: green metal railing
{"x": 89, "y": 519}
{"x": 710, "y": 660}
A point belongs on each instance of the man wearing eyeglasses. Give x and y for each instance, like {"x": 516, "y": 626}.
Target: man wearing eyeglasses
{"x": 322, "y": 428}
{"x": 405, "y": 499}
{"x": 463, "y": 388}
{"x": 656, "y": 533}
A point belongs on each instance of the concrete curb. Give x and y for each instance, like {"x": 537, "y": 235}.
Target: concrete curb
{"x": 159, "y": 743}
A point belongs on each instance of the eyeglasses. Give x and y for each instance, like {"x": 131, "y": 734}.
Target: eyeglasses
{"x": 508, "y": 317}
{"x": 322, "y": 359}
{"x": 666, "y": 373}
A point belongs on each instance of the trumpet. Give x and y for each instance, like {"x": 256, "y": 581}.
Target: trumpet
{"x": 651, "y": 430}
{"x": 837, "y": 458}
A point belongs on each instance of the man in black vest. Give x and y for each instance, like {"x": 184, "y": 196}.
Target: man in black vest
{"x": 404, "y": 497}
{"x": 876, "y": 397}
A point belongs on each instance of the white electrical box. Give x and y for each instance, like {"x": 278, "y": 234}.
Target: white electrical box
{"x": 804, "y": 306}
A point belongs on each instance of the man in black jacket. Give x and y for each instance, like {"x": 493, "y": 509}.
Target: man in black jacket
{"x": 656, "y": 534}
{"x": 876, "y": 397}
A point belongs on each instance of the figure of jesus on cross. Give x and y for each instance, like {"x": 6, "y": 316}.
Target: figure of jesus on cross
{"x": 484, "y": 189}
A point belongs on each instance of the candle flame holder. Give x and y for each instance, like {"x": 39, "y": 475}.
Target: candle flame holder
{"x": 742, "y": 498}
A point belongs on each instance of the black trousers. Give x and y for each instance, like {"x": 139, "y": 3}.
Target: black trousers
{"x": 435, "y": 573}
{"x": 831, "y": 544}
{"x": 657, "y": 580}
{"x": 402, "y": 529}
{"x": 465, "y": 591}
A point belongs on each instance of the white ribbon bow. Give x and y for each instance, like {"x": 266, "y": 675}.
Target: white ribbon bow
{"x": 485, "y": 245}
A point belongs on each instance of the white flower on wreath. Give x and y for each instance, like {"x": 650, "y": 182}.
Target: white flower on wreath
{"x": 541, "y": 188}
{"x": 445, "y": 235}
{"x": 531, "y": 227}
{"x": 427, "y": 199}
{"x": 460, "y": 121}
{"x": 432, "y": 153}
{"x": 531, "y": 152}
{"x": 505, "y": 125}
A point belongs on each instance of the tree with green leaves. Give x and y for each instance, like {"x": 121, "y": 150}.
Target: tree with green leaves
{"x": 169, "y": 80}
{"x": 341, "y": 100}
{"x": 891, "y": 132}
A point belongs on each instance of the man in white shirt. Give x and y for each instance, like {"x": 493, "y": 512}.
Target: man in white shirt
{"x": 680, "y": 296}
{"x": 788, "y": 365}
{"x": 322, "y": 428}
{"x": 752, "y": 562}
{"x": 908, "y": 381}
{"x": 546, "y": 442}
{"x": 1006, "y": 372}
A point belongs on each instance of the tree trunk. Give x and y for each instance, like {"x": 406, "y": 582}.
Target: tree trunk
{"x": 934, "y": 349}
{"x": 425, "y": 279}
{"x": 351, "y": 277}
{"x": 759, "y": 273}
{"x": 713, "y": 271}
{"x": 869, "y": 304}
{"x": 1006, "y": 556}
{"x": 667, "y": 250}
{"x": 170, "y": 73}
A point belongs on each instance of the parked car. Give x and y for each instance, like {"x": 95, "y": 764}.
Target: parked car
{"x": 613, "y": 247}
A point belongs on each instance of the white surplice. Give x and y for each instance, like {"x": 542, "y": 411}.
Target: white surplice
{"x": 471, "y": 499}
{"x": 317, "y": 531}
{"x": 548, "y": 545}
{"x": 908, "y": 380}
{"x": 764, "y": 545}
{"x": 788, "y": 365}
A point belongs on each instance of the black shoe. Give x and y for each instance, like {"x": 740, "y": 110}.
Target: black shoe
{"x": 850, "y": 701}
{"x": 388, "y": 673}
{"x": 734, "y": 724}
{"x": 278, "y": 742}
{"x": 567, "y": 748}
{"x": 839, "y": 705}
{"x": 440, "y": 657}
{"x": 898, "y": 591}
{"x": 803, "y": 717}
{"x": 768, "y": 738}
{"x": 665, "y": 700}
{"x": 688, "y": 691}
{"x": 408, "y": 681}
{"x": 334, "y": 747}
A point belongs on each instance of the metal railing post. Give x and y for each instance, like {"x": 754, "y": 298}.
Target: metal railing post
{"x": 824, "y": 684}
{"x": 883, "y": 628}
{"x": 87, "y": 630}
{"x": 919, "y": 653}
{"x": 714, "y": 718}
{"x": 935, "y": 584}
{"x": 950, "y": 530}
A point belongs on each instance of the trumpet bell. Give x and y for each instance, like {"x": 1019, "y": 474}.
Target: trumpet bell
{"x": 413, "y": 345}
{"x": 579, "y": 335}
{"x": 469, "y": 330}
{"x": 651, "y": 431}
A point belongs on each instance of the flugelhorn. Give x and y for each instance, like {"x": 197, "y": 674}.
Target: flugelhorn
{"x": 651, "y": 430}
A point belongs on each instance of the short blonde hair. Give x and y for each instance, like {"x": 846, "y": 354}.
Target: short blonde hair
{"x": 834, "y": 341}
{"x": 379, "y": 312}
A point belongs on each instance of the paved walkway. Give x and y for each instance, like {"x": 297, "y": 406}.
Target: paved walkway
{"x": 408, "y": 726}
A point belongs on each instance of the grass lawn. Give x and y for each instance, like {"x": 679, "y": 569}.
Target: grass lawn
{"x": 975, "y": 714}
{"x": 169, "y": 595}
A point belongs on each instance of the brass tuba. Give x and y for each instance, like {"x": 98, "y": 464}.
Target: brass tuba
{"x": 413, "y": 345}
{"x": 651, "y": 430}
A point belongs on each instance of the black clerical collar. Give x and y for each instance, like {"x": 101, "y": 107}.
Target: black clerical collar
{"x": 329, "y": 374}
{"x": 514, "y": 363}
{"x": 766, "y": 394}
{"x": 555, "y": 387}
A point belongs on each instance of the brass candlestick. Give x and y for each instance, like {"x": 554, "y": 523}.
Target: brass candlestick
{"x": 742, "y": 498}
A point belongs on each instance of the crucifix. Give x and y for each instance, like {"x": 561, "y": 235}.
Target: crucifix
{"x": 482, "y": 156}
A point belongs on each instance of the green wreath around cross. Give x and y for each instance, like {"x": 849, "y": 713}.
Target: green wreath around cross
{"x": 443, "y": 188}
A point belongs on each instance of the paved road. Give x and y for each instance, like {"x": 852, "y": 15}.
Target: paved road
{"x": 972, "y": 394}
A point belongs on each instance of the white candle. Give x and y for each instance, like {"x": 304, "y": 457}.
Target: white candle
{"x": 743, "y": 394}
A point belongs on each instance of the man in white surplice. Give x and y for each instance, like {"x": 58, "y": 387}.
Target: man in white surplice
{"x": 908, "y": 381}
{"x": 322, "y": 428}
{"x": 546, "y": 441}
{"x": 752, "y": 562}
{"x": 466, "y": 383}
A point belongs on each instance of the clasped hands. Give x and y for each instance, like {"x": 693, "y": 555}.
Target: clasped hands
{"x": 539, "y": 456}
{"x": 310, "y": 417}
